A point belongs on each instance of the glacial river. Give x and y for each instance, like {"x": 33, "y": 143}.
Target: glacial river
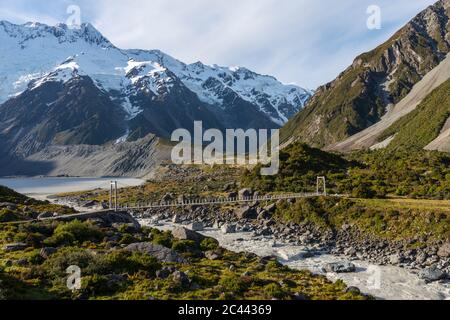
{"x": 382, "y": 282}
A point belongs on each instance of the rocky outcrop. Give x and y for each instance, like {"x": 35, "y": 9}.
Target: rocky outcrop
{"x": 161, "y": 253}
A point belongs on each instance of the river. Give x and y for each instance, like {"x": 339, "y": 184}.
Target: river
{"x": 382, "y": 282}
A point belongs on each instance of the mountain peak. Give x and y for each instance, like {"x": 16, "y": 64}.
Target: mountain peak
{"x": 62, "y": 32}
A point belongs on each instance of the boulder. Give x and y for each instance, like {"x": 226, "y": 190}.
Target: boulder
{"x": 354, "y": 290}
{"x": 182, "y": 233}
{"x": 228, "y": 228}
{"x": 47, "y": 252}
{"x": 444, "y": 251}
{"x": 396, "y": 259}
{"x": 176, "y": 219}
{"x": 165, "y": 272}
{"x": 271, "y": 208}
{"x": 181, "y": 278}
{"x": 161, "y": 253}
{"x": 246, "y": 213}
{"x": 213, "y": 255}
{"x": 197, "y": 226}
{"x": 245, "y": 193}
{"x": 340, "y": 267}
{"x": 432, "y": 274}
{"x": 15, "y": 247}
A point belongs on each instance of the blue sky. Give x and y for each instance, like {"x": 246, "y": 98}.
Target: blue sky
{"x": 307, "y": 42}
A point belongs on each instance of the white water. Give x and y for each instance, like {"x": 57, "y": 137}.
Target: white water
{"x": 383, "y": 282}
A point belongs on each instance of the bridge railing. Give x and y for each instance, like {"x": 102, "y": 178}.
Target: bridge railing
{"x": 213, "y": 201}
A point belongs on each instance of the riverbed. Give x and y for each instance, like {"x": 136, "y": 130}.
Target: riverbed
{"x": 382, "y": 282}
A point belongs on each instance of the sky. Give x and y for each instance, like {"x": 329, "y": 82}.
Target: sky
{"x": 305, "y": 42}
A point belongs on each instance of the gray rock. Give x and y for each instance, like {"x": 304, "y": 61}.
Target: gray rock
{"x": 197, "y": 226}
{"x": 340, "y": 267}
{"x": 444, "y": 251}
{"x": 176, "y": 219}
{"x": 396, "y": 259}
{"x": 228, "y": 228}
{"x": 181, "y": 278}
{"x": 353, "y": 290}
{"x": 213, "y": 255}
{"x": 161, "y": 253}
{"x": 432, "y": 274}
{"x": 246, "y": 213}
{"x": 182, "y": 233}
{"x": 271, "y": 208}
{"x": 15, "y": 247}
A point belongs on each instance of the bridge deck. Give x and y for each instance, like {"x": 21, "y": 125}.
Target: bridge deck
{"x": 217, "y": 201}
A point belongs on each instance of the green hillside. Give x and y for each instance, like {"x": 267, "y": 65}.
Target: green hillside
{"x": 356, "y": 99}
{"x": 417, "y": 129}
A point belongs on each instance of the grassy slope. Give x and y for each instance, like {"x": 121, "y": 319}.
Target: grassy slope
{"x": 417, "y": 129}
{"x": 352, "y": 102}
{"x": 135, "y": 274}
{"x": 383, "y": 219}
{"x": 24, "y": 208}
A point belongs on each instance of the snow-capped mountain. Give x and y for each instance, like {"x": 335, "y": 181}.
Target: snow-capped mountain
{"x": 66, "y": 88}
{"x": 34, "y": 53}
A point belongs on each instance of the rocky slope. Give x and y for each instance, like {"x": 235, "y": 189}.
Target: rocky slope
{"x": 412, "y": 123}
{"x": 71, "y": 87}
{"x": 366, "y": 91}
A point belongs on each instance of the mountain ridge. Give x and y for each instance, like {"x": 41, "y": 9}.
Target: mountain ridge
{"x": 362, "y": 94}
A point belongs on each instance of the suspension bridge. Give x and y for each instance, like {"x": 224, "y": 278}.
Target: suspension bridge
{"x": 321, "y": 190}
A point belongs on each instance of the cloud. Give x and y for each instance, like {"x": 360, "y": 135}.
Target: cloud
{"x": 307, "y": 42}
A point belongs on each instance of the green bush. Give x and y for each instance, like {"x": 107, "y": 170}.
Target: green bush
{"x": 209, "y": 244}
{"x": 274, "y": 290}
{"x": 74, "y": 232}
{"x": 230, "y": 282}
{"x": 7, "y": 215}
{"x": 61, "y": 238}
{"x": 121, "y": 261}
{"x": 162, "y": 238}
{"x": 184, "y": 246}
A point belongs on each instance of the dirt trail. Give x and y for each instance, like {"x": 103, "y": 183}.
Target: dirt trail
{"x": 368, "y": 137}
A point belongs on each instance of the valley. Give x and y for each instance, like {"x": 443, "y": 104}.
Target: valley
{"x": 366, "y": 155}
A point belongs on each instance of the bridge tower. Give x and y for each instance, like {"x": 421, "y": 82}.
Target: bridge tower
{"x": 322, "y": 184}
{"x": 113, "y": 202}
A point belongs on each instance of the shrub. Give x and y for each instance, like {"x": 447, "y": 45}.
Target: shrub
{"x": 7, "y": 215}
{"x": 184, "y": 246}
{"x": 124, "y": 262}
{"x": 232, "y": 283}
{"x": 62, "y": 238}
{"x": 274, "y": 290}
{"x": 162, "y": 238}
{"x": 75, "y": 231}
{"x": 209, "y": 244}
